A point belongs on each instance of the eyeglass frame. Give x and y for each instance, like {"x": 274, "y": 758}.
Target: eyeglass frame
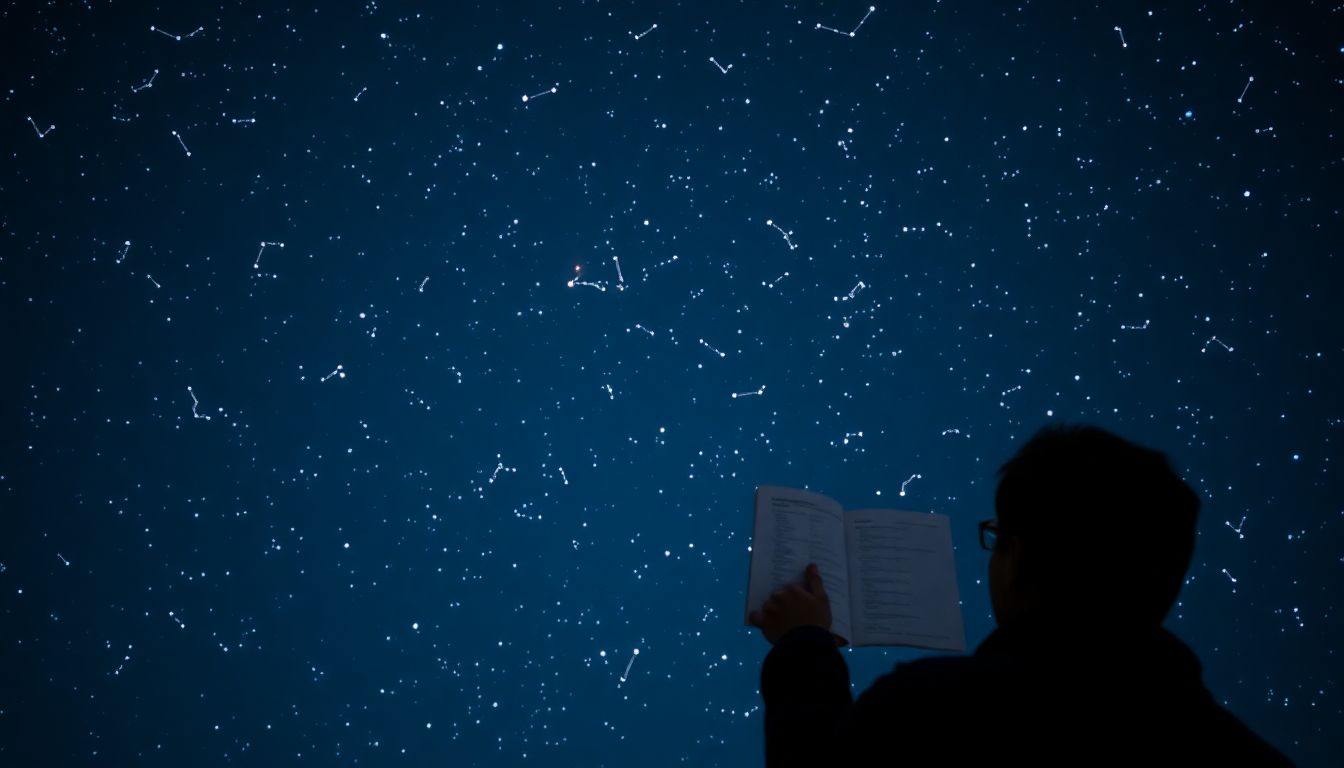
{"x": 988, "y": 525}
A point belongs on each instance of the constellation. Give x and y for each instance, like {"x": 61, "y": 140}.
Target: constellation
{"x": 339, "y": 371}
{"x": 641, "y": 34}
{"x": 552, "y": 89}
{"x": 152, "y": 280}
{"x": 500, "y": 468}
{"x": 1259, "y": 131}
{"x": 909, "y": 481}
{"x": 611, "y": 394}
{"x": 786, "y": 235}
{"x": 601, "y": 286}
{"x": 244, "y": 120}
{"x": 626, "y": 673}
{"x": 953, "y": 431}
{"x": 194, "y": 404}
{"x": 361, "y": 93}
{"x": 845, "y": 439}
{"x": 257, "y": 264}
{"x": 63, "y": 560}
{"x": 126, "y": 247}
{"x": 722, "y": 68}
{"x": 147, "y": 84}
{"x": 620, "y": 279}
{"x": 852, "y": 291}
{"x": 1237, "y": 528}
{"x": 1205, "y": 348}
{"x": 183, "y": 143}
{"x": 1143, "y": 327}
{"x": 760, "y": 391}
{"x": 670, "y": 260}
{"x": 642, "y": 328}
{"x": 1231, "y": 578}
{"x": 563, "y": 476}
{"x": 850, "y": 33}
{"x": 711, "y": 349}
{"x": 422, "y": 284}
{"x": 1123, "y": 44}
{"x": 41, "y": 134}
{"x": 178, "y": 38}
{"x": 772, "y": 283}
{"x": 1249, "y": 80}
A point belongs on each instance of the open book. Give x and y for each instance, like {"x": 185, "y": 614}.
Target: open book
{"x": 889, "y": 575}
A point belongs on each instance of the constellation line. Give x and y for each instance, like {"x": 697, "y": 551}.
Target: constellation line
{"x": 178, "y": 38}
{"x": 1249, "y": 80}
{"x": 722, "y": 68}
{"x": 257, "y": 264}
{"x": 41, "y": 134}
{"x": 711, "y": 349}
{"x": 850, "y": 33}
{"x": 645, "y": 32}
{"x": 500, "y": 468}
{"x": 760, "y": 391}
{"x": 852, "y": 291}
{"x": 552, "y": 89}
{"x": 194, "y": 404}
{"x": 1123, "y": 44}
{"x": 601, "y": 286}
{"x": 147, "y": 84}
{"x": 626, "y": 674}
{"x": 911, "y": 480}
{"x": 786, "y": 235}
{"x": 183, "y": 143}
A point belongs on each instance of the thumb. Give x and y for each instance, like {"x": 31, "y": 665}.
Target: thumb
{"x": 814, "y": 582}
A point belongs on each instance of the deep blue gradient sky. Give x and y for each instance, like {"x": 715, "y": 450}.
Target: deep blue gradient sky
{"x": 214, "y": 551}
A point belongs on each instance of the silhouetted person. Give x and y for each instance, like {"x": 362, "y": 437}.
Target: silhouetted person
{"x": 1090, "y": 545}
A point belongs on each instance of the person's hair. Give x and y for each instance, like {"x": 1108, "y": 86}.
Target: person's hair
{"x": 1107, "y": 527}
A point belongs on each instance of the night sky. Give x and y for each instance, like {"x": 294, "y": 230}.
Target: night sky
{"x": 388, "y": 383}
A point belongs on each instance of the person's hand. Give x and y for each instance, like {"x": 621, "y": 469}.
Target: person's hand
{"x": 794, "y": 606}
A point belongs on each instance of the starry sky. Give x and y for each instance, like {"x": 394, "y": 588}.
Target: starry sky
{"x": 387, "y": 383}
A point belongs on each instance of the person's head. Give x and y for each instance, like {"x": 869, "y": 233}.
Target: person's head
{"x": 1090, "y": 526}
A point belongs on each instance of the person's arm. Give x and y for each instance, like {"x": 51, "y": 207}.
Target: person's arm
{"x": 805, "y": 685}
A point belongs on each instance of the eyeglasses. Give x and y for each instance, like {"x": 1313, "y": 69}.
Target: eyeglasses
{"x": 989, "y": 533}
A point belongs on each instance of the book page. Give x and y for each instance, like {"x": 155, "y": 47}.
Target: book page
{"x": 903, "y": 580}
{"x": 793, "y": 528}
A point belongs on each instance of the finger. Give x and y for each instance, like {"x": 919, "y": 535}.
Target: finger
{"x": 814, "y": 584}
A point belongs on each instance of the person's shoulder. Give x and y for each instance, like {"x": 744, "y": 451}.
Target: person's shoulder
{"x": 942, "y": 675}
{"x": 1238, "y": 741}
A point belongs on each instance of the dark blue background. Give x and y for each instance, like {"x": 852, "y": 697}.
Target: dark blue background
{"x": 1017, "y": 189}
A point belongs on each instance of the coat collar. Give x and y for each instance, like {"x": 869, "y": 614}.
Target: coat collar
{"x": 1146, "y": 651}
